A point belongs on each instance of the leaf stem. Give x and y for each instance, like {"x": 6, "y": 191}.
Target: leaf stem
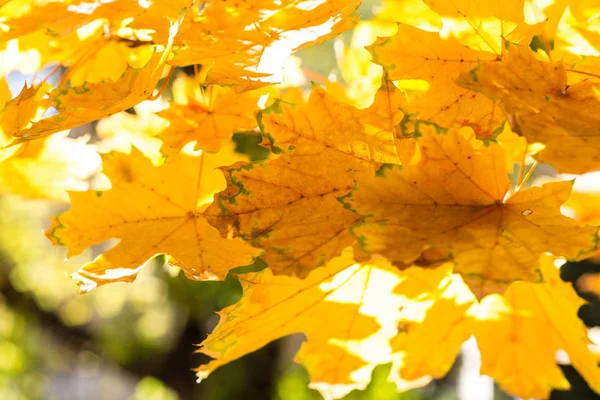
{"x": 52, "y": 72}
{"x": 582, "y": 72}
{"x": 202, "y": 74}
{"x": 164, "y": 85}
{"x": 527, "y": 176}
{"x": 213, "y": 98}
{"x": 547, "y": 47}
{"x": 80, "y": 61}
{"x": 522, "y": 167}
{"x": 199, "y": 183}
{"x": 315, "y": 76}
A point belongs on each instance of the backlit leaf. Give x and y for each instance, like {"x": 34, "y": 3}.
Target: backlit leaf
{"x": 338, "y": 356}
{"x": 454, "y": 200}
{"x": 541, "y": 106}
{"x": 152, "y": 210}
{"x": 533, "y": 322}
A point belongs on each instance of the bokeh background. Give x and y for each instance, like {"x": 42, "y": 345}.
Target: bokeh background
{"x": 136, "y": 341}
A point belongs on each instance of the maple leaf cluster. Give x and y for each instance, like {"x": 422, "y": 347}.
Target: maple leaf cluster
{"x": 385, "y": 204}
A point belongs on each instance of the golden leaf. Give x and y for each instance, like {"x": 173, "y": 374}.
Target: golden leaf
{"x": 47, "y": 168}
{"x": 269, "y": 204}
{"x": 540, "y": 106}
{"x": 19, "y": 112}
{"x": 121, "y": 131}
{"x": 89, "y": 102}
{"x": 339, "y": 356}
{"x": 433, "y": 324}
{"x": 361, "y": 77}
{"x": 507, "y": 10}
{"x": 207, "y": 116}
{"x": 519, "y": 334}
{"x": 152, "y": 210}
{"x": 385, "y": 116}
{"x": 288, "y": 206}
{"x": 97, "y": 41}
{"x": 234, "y": 39}
{"x": 417, "y": 54}
{"x": 325, "y": 125}
{"x": 453, "y": 200}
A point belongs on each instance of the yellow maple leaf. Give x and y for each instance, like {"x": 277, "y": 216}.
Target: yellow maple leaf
{"x": 5, "y": 94}
{"x": 19, "y": 112}
{"x": 109, "y": 60}
{"x": 472, "y": 32}
{"x": 382, "y": 315}
{"x": 583, "y": 203}
{"x": 411, "y": 12}
{"x": 507, "y": 10}
{"x": 417, "y": 54}
{"x": 256, "y": 36}
{"x": 540, "y": 106}
{"x": 269, "y": 204}
{"x": 236, "y": 78}
{"x": 288, "y": 206}
{"x": 515, "y": 147}
{"x": 121, "y": 131}
{"x": 362, "y": 78}
{"x": 338, "y": 356}
{"x": 485, "y": 25}
{"x": 47, "y": 168}
{"x": 152, "y": 210}
{"x": 28, "y": 54}
{"x": 327, "y": 125}
{"x": 454, "y": 200}
{"x": 506, "y": 327}
{"x": 89, "y": 102}
{"x": 385, "y": 116}
{"x": 519, "y": 334}
{"x": 18, "y": 18}
{"x": 207, "y": 116}
{"x": 575, "y": 29}
{"x": 433, "y": 325}
{"x": 95, "y": 40}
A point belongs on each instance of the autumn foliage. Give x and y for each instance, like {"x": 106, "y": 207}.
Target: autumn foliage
{"x": 396, "y": 201}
